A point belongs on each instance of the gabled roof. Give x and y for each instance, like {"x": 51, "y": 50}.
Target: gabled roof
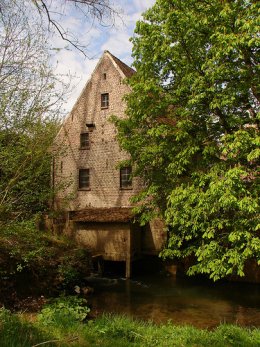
{"x": 127, "y": 70}
{"x": 124, "y": 70}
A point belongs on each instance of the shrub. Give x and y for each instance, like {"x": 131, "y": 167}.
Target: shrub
{"x": 64, "y": 311}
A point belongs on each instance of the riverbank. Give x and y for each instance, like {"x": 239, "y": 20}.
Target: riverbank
{"x": 51, "y": 329}
{"x": 36, "y": 264}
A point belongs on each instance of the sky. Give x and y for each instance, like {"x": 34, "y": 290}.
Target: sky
{"x": 97, "y": 38}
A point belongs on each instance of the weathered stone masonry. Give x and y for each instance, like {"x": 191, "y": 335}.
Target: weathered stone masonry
{"x": 117, "y": 238}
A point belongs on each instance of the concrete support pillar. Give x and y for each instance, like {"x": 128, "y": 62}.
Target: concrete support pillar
{"x": 128, "y": 263}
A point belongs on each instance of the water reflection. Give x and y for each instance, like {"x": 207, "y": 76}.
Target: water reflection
{"x": 183, "y": 301}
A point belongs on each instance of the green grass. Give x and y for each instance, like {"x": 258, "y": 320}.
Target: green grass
{"x": 116, "y": 331}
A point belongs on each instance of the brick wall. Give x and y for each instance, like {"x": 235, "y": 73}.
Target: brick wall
{"x": 104, "y": 153}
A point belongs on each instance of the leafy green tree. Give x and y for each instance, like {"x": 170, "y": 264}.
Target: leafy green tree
{"x": 193, "y": 129}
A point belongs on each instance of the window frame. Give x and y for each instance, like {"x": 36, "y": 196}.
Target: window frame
{"x": 104, "y": 100}
{"x": 126, "y": 181}
{"x": 84, "y": 144}
{"x": 82, "y": 185}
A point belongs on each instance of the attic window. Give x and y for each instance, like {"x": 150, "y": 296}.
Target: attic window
{"x": 105, "y": 100}
{"x": 104, "y": 76}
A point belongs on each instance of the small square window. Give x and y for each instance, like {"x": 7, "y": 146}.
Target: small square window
{"x": 84, "y": 140}
{"x": 84, "y": 179}
{"x": 105, "y": 100}
{"x": 126, "y": 177}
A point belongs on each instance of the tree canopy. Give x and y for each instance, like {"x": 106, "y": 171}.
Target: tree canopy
{"x": 193, "y": 129}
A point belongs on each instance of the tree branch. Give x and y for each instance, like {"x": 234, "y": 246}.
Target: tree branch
{"x": 96, "y": 9}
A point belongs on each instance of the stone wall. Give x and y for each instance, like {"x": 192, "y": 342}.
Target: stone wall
{"x": 104, "y": 154}
{"x": 153, "y": 237}
{"x": 102, "y": 158}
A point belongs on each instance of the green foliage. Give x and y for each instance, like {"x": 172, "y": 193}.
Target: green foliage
{"x": 50, "y": 261}
{"x": 193, "y": 129}
{"x": 16, "y": 332}
{"x": 68, "y": 273}
{"x": 235, "y": 336}
{"x": 64, "y": 311}
{"x": 22, "y": 247}
{"x": 25, "y": 171}
{"x": 114, "y": 331}
{"x": 73, "y": 263}
{"x": 136, "y": 333}
{"x": 28, "y": 115}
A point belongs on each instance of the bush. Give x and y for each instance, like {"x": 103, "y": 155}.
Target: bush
{"x": 21, "y": 246}
{"x": 64, "y": 311}
{"x": 45, "y": 262}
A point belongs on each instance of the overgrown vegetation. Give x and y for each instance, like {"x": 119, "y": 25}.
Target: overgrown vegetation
{"x": 61, "y": 324}
{"x": 34, "y": 262}
{"x": 64, "y": 311}
{"x": 29, "y": 110}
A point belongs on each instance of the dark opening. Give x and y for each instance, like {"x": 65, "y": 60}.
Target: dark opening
{"x": 84, "y": 179}
{"x": 90, "y": 126}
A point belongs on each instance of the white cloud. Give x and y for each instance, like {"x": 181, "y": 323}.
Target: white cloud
{"x": 118, "y": 44}
{"x": 74, "y": 71}
{"x": 142, "y": 6}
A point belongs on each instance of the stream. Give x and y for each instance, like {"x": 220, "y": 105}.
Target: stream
{"x": 160, "y": 298}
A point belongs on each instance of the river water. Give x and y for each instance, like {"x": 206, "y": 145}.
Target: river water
{"x": 160, "y": 298}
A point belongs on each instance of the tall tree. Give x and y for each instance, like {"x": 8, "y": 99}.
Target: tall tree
{"x": 28, "y": 116}
{"x": 193, "y": 129}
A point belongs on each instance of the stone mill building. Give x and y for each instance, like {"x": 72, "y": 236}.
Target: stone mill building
{"x": 96, "y": 192}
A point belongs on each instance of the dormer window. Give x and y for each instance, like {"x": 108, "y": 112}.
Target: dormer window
{"x": 84, "y": 140}
{"x": 105, "y": 100}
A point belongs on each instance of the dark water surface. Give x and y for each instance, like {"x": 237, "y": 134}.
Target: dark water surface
{"x": 160, "y": 298}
